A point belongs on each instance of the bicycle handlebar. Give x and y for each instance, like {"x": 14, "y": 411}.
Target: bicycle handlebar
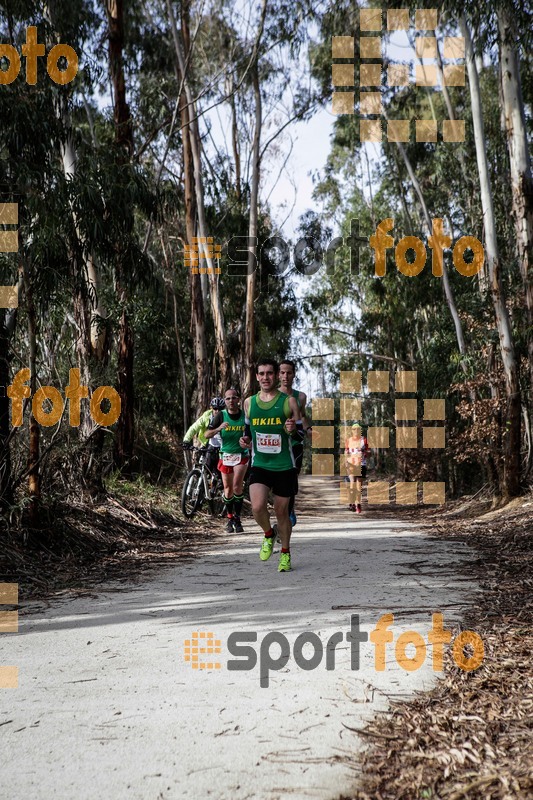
{"x": 187, "y": 446}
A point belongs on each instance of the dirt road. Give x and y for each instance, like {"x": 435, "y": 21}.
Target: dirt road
{"x": 108, "y": 707}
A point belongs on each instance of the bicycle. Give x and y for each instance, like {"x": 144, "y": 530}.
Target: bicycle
{"x": 202, "y": 486}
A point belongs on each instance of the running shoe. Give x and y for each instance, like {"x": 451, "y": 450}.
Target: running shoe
{"x": 237, "y": 527}
{"x": 229, "y": 525}
{"x": 266, "y": 548}
{"x": 358, "y": 509}
{"x": 292, "y": 517}
{"x": 284, "y": 562}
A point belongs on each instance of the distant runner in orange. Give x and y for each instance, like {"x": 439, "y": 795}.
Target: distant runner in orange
{"x": 356, "y": 450}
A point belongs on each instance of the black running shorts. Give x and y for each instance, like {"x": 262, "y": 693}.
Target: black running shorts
{"x": 283, "y": 484}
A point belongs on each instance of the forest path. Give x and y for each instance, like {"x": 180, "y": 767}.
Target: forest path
{"x": 107, "y": 707}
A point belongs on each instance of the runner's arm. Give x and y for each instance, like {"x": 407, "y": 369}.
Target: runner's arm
{"x": 308, "y": 428}
{"x": 303, "y": 410}
{"x": 197, "y": 428}
{"x": 215, "y": 426}
{"x": 246, "y": 440}
{"x": 294, "y": 425}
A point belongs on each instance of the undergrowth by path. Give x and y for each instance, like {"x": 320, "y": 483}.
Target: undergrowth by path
{"x": 80, "y": 545}
{"x": 472, "y": 736}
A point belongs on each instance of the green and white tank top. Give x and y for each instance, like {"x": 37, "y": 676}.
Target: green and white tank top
{"x": 271, "y": 444}
{"x": 296, "y": 395}
{"x": 230, "y": 436}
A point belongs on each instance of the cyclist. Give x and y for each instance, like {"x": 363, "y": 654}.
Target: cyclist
{"x": 233, "y": 463}
{"x": 272, "y": 420}
{"x": 356, "y": 449}
{"x": 287, "y": 370}
{"x": 198, "y": 429}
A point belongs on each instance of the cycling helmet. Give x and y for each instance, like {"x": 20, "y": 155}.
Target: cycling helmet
{"x": 217, "y": 403}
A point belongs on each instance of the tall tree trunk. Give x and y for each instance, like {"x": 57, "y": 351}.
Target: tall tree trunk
{"x": 251, "y": 277}
{"x": 196, "y": 151}
{"x": 482, "y": 274}
{"x": 197, "y": 327}
{"x": 96, "y": 310}
{"x": 448, "y": 293}
{"x": 248, "y": 373}
{"x": 235, "y": 140}
{"x": 126, "y": 431}
{"x": 6, "y": 492}
{"x": 34, "y": 478}
{"x": 124, "y": 439}
{"x": 520, "y": 161}
{"x": 89, "y": 310}
{"x": 183, "y": 371}
{"x": 177, "y": 326}
{"x": 512, "y": 422}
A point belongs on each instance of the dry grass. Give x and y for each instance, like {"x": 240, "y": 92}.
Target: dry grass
{"x": 81, "y": 544}
{"x": 471, "y": 737}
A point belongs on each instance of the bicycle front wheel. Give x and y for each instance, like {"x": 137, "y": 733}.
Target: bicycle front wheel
{"x": 193, "y": 493}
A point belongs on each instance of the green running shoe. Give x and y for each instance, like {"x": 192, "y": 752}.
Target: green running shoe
{"x": 266, "y": 548}
{"x": 284, "y": 562}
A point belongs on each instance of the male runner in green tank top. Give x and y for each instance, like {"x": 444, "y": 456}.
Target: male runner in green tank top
{"x": 233, "y": 463}
{"x": 287, "y": 371}
{"x": 271, "y": 423}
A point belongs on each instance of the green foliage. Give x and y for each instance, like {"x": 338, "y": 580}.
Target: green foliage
{"x": 361, "y": 317}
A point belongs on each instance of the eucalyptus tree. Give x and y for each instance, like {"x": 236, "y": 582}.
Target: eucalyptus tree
{"x": 512, "y": 442}
{"x": 29, "y": 176}
{"x": 510, "y": 22}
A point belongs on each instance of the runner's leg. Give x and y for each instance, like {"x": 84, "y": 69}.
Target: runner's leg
{"x": 298, "y": 453}
{"x": 281, "y": 509}
{"x": 351, "y": 490}
{"x": 258, "y": 497}
{"x": 227, "y": 482}
{"x": 211, "y": 459}
{"x": 239, "y": 474}
{"x": 360, "y": 486}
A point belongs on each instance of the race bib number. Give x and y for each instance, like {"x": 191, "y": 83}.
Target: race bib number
{"x": 231, "y": 459}
{"x": 268, "y": 442}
